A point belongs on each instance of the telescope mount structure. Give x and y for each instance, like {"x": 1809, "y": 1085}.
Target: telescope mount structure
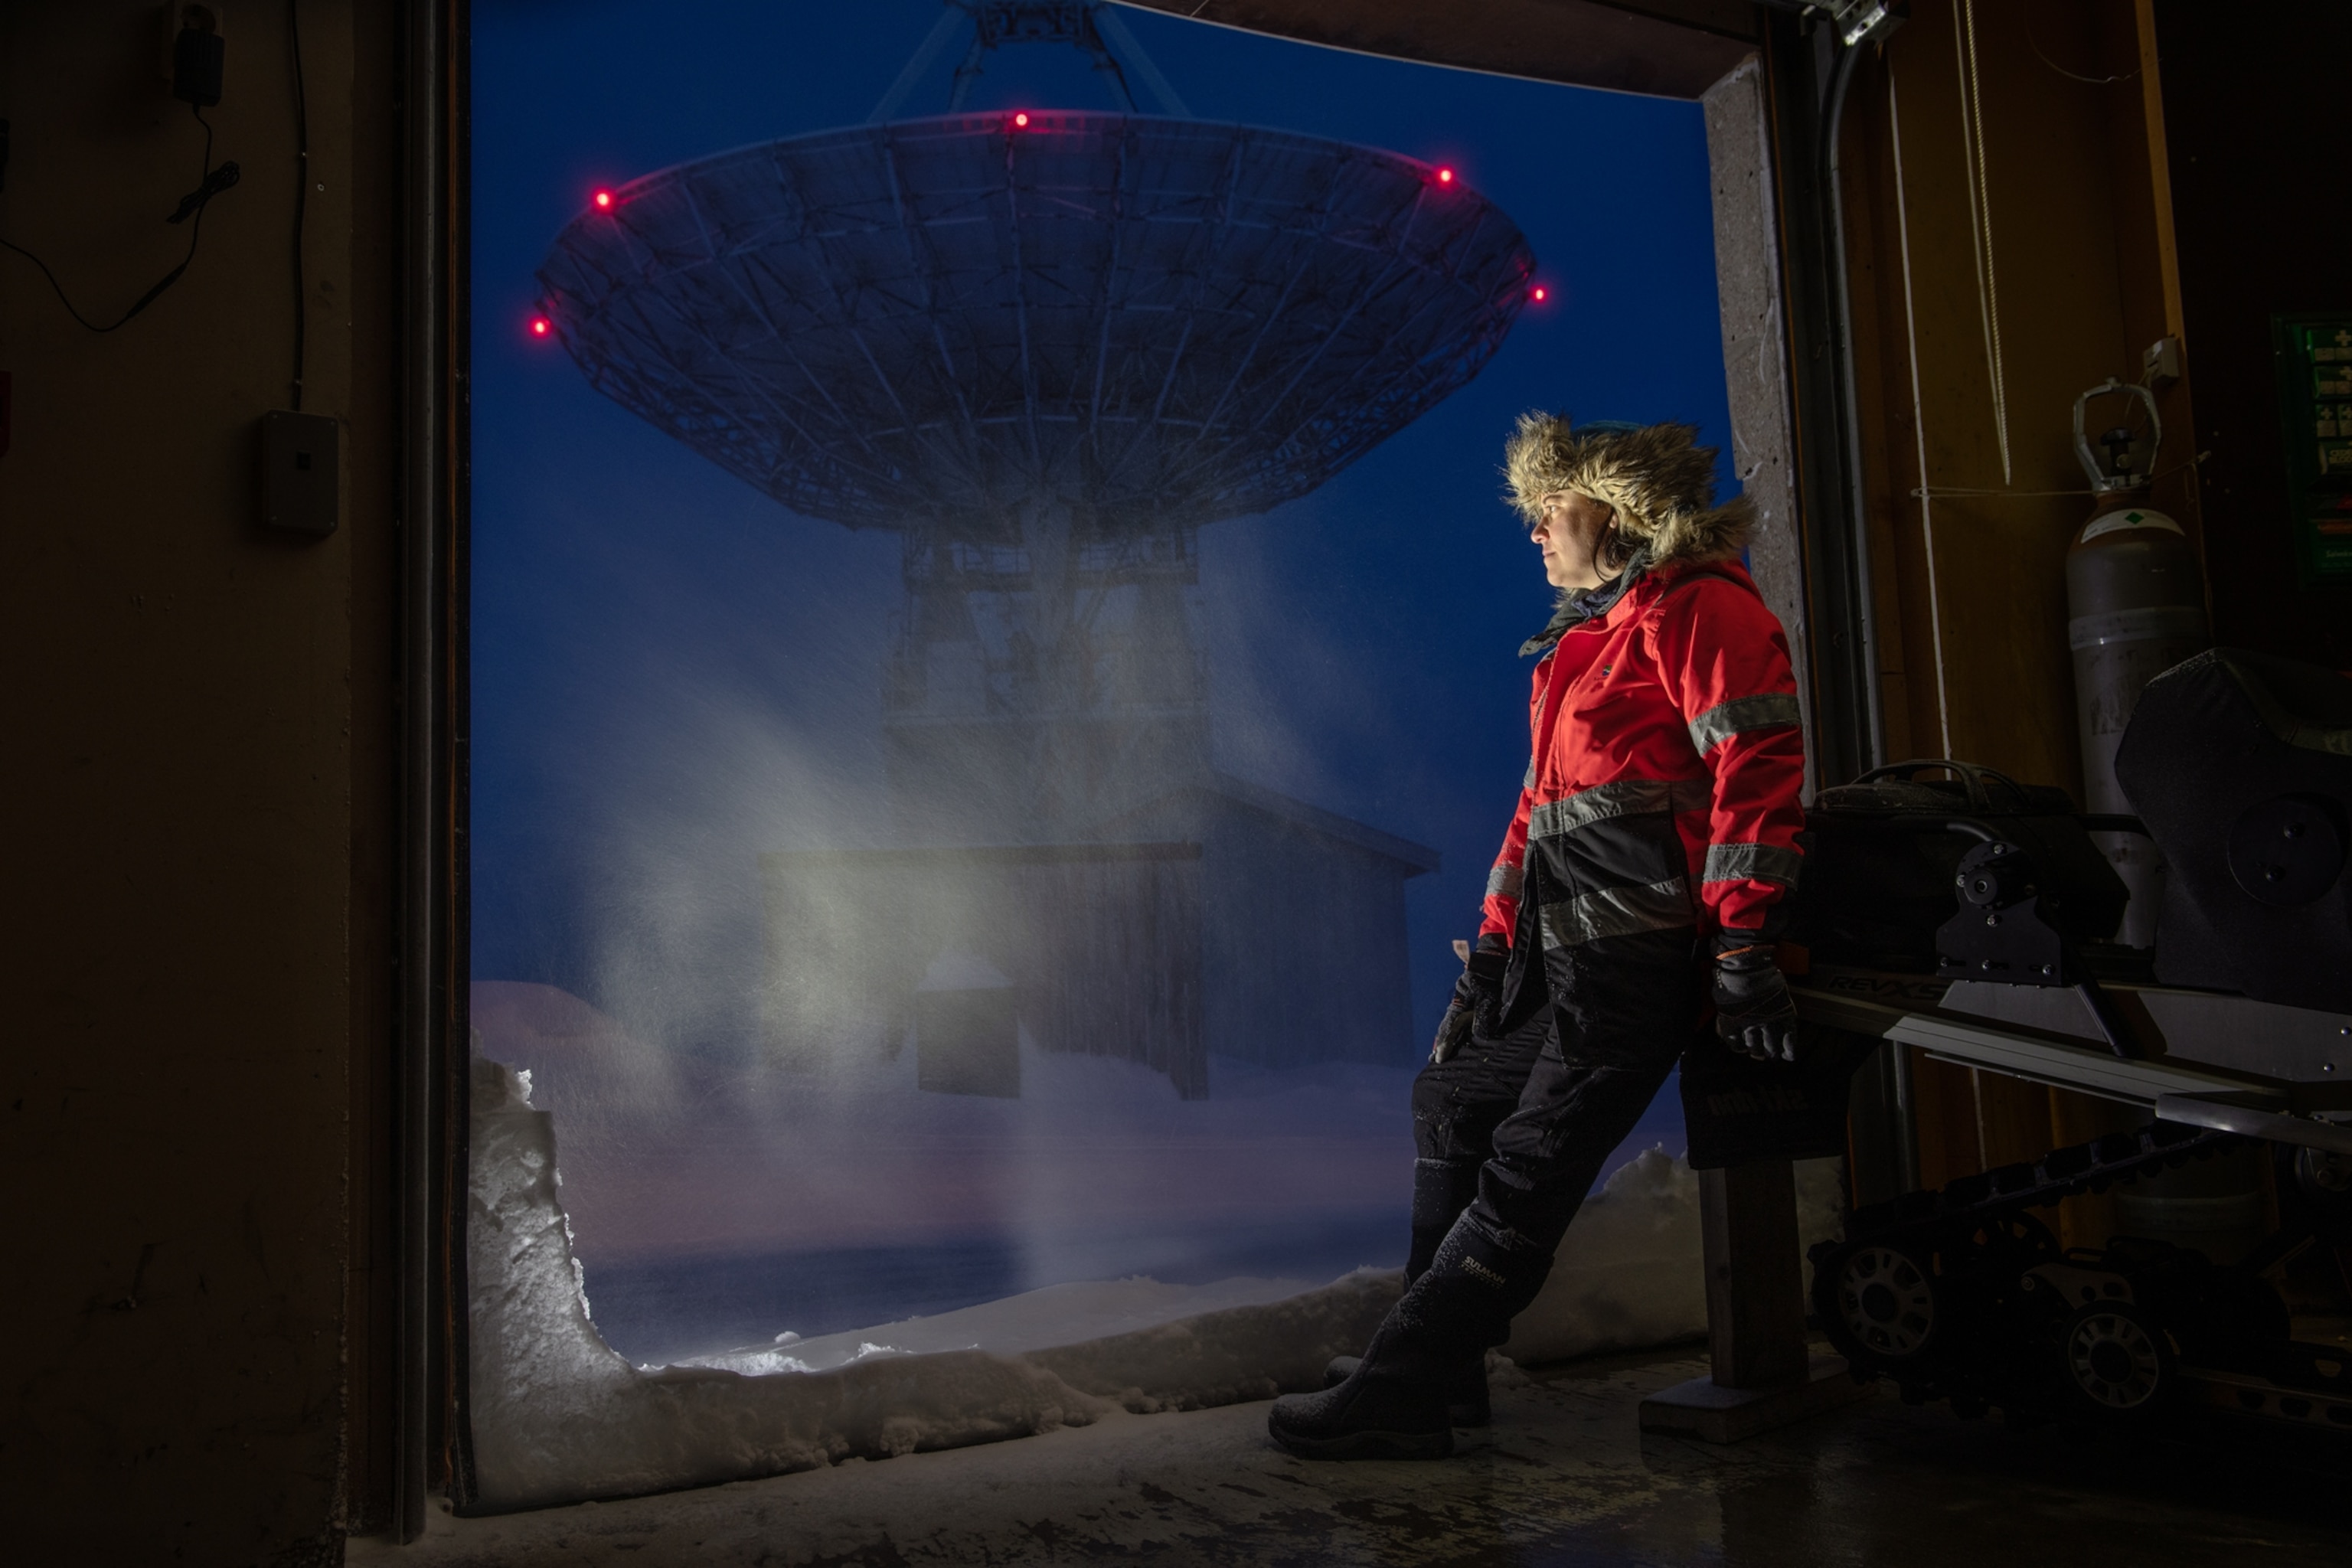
{"x": 1046, "y": 348}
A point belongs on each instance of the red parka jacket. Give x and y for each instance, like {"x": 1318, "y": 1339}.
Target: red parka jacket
{"x": 1662, "y": 791}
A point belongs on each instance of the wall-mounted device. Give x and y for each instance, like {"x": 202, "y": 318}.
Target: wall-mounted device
{"x": 2314, "y": 376}
{"x": 197, "y": 54}
{"x": 301, "y": 471}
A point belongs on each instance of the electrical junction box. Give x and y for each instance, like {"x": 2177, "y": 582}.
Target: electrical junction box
{"x": 301, "y": 471}
{"x": 2315, "y": 362}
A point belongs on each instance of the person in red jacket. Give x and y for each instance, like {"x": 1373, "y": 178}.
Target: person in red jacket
{"x": 1640, "y": 883}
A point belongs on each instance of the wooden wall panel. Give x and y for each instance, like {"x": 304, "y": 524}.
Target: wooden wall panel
{"x": 1951, "y": 341}
{"x": 199, "y": 731}
{"x": 2046, "y": 227}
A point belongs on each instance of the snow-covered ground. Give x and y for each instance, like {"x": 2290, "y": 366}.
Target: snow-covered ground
{"x": 669, "y": 1157}
{"x": 556, "y": 1414}
{"x": 1032, "y": 1320}
{"x": 716, "y": 1204}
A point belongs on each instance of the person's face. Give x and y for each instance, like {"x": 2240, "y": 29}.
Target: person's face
{"x": 1569, "y": 534}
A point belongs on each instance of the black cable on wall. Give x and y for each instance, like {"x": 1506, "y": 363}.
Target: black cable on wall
{"x": 194, "y": 205}
{"x": 302, "y": 186}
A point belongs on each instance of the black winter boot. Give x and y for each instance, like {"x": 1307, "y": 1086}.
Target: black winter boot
{"x": 1395, "y": 1404}
{"x": 1392, "y": 1406}
{"x": 1467, "y": 1403}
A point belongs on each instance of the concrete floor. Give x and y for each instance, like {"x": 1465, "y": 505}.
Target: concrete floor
{"x": 1566, "y": 1478}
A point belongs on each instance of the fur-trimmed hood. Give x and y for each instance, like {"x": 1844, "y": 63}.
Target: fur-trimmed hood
{"x": 1658, "y": 477}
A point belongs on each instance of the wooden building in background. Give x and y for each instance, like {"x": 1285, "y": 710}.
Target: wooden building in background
{"x": 1220, "y": 919}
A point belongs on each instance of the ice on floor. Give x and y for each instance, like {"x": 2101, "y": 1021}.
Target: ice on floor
{"x": 555, "y": 1415}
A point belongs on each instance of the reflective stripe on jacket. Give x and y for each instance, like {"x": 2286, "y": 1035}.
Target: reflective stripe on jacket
{"x": 1663, "y": 787}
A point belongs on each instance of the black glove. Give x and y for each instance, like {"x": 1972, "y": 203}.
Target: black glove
{"x": 1477, "y": 1005}
{"x": 1754, "y": 1014}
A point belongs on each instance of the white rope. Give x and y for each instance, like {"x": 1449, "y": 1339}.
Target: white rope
{"x": 1919, "y": 421}
{"x": 1979, "y": 189}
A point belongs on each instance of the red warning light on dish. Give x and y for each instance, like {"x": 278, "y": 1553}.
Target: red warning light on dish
{"x": 541, "y": 326}
{"x": 1020, "y": 119}
{"x": 603, "y": 200}
{"x": 1445, "y": 176}
{"x": 1538, "y": 293}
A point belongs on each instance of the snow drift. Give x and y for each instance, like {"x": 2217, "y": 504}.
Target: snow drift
{"x": 1628, "y": 1275}
{"x": 1098, "y": 1170}
{"x": 556, "y": 1416}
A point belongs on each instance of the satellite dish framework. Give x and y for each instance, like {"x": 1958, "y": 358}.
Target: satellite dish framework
{"x": 1045, "y": 348}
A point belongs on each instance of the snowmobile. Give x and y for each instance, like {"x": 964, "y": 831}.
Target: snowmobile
{"x": 1966, "y": 915}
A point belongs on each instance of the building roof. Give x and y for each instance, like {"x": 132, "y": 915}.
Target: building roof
{"x": 1293, "y": 813}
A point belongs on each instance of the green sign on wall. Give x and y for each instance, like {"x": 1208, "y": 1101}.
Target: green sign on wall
{"x": 2315, "y": 361}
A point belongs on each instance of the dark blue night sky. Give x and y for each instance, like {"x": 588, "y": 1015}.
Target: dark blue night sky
{"x": 672, "y": 674}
